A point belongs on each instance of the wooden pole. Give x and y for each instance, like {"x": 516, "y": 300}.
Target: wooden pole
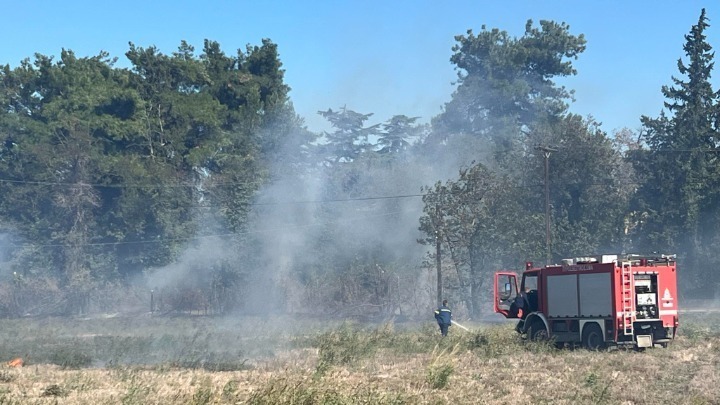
{"x": 437, "y": 257}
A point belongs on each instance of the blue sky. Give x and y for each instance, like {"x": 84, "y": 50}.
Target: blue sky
{"x": 381, "y": 57}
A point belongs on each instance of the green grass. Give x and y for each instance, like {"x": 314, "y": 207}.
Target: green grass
{"x": 209, "y": 360}
{"x": 192, "y": 342}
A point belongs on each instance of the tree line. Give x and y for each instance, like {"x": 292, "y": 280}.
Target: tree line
{"x": 110, "y": 176}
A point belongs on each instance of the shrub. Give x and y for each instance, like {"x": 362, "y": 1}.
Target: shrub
{"x": 202, "y": 396}
{"x": 6, "y": 376}
{"x": 441, "y": 367}
{"x": 229, "y": 391}
{"x": 136, "y": 393}
{"x": 344, "y": 346}
{"x": 439, "y": 376}
{"x": 599, "y": 388}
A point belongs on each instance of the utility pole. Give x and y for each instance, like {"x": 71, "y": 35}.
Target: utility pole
{"x": 546, "y": 150}
{"x": 437, "y": 256}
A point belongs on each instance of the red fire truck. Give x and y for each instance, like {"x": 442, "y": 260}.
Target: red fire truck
{"x": 595, "y": 301}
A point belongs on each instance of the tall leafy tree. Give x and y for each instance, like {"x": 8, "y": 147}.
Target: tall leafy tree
{"x": 508, "y": 82}
{"x": 60, "y": 132}
{"x": 589, "y": 184}
{"x": 396, "y": 133}
{"x": 507, "y": 108}
{"x": 350, "y": 137}
{"x": 481, "y": 223}
{"x": 257, "y": 120}
{"x": 107, "y": 167}
{"x": 679, "y": 196}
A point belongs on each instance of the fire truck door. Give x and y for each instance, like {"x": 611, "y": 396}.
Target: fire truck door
{"x": 506, "y": 292}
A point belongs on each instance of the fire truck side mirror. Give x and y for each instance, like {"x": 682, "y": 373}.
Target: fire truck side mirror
{"x": 506, "y": 292}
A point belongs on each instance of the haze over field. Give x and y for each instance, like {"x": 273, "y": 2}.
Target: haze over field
{"x": 264, "y": 202}
{"x": 227, "y": 177}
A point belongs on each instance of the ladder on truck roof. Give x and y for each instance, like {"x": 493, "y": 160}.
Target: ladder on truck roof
{"x": 628, "y": 301}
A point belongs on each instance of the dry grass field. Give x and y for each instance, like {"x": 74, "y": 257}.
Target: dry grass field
{"x": 203, "y": 360}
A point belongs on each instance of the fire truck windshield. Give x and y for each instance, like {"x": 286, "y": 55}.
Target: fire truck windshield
{"x": 529, "y": 282}
{"x": 530, "y": 292}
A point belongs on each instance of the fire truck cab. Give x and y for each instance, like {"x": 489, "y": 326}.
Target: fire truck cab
{"x": 595, "y": 301}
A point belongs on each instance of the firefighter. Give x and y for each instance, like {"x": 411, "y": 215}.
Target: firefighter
{"x": 443, "y": 315}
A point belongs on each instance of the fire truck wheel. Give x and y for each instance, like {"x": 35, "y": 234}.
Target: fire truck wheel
{"x": 592, "y": 337}
{"x": 537, "y": 331}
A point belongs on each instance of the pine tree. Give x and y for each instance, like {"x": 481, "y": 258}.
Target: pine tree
{"x": 680, "y": 169}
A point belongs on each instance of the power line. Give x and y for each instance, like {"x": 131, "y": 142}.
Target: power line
{"x": 98, "y": 185}
{"x": 389, "y": 197}
{"x": 286, "y": 227}
{"x": 402, "y": 196}
{"x": 352, "y": 199}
